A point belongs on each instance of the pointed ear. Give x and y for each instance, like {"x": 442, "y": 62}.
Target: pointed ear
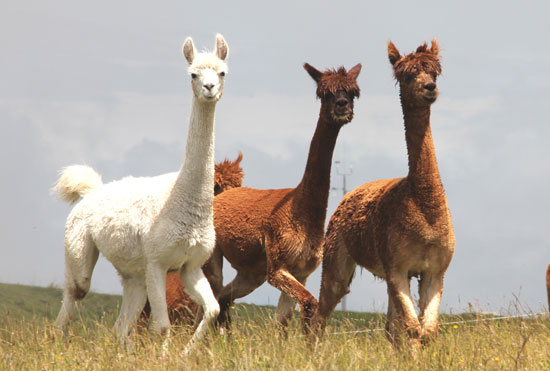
{"x": 435, "y": 47}
{"x": 393, "y": 53}
{"x": 238, "y": 159}
{"x": 313, "y": 72}
{"x": 189, "y": 50}
{"x": 422, "y": 48}
{"x": 221, "y": 49}
{"x": 354, "y": 72}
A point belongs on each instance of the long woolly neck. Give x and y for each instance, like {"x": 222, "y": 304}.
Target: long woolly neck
{"x": 195, "y": 181}
{"x": 312, "y": 192}
{"x": 423, "y": 176}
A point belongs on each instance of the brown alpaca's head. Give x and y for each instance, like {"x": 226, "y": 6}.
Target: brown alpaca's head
{"x": 417, "y": 73}
{"x": 337, "y": 89}
{"x": 228, "y": 175}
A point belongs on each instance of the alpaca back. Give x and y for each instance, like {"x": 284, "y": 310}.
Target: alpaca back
{"x": 118, "y": 215}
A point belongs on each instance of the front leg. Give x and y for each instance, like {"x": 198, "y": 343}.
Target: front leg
{"x": 197, "y": 287}
{"x": 430, "y": 289}
{"x": 285, "y": 282}
{"x": 401, "y": 309}
{"x": 155, "y": 279}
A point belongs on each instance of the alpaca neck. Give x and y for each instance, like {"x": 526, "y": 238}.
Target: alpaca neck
{"x": 195, "y": 181}
{"x": 312, "y": 192}
{"x": 423, "y": 177}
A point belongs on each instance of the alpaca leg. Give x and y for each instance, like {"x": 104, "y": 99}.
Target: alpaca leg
{"x": 405, "y": 318}
{"x": 80, "y": 261}
{"x": 134, "y": 296}
{"x": 391, "y": 322}
{"x": 243, "y": 284}
{"x": 338, "y": 270}
{"x": 286, "y": 283}
{"x": 285, "y": 309}
{"x": 155, "y": 281}
{"x": 430, "y": 289}
{"x": 199, "y": 290}
{"x": 213, "y": 270}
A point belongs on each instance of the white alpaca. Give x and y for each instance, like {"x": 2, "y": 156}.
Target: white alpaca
{"x": 148, "y": 226}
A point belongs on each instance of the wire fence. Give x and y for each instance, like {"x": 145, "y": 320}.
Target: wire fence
{"x": 477, "y": 320}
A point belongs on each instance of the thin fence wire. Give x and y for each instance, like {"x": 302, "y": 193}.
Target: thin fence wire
{"x": 498, "y": 318}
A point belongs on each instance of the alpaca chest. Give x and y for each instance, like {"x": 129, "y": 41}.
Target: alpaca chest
{"x": 193, "y": 247}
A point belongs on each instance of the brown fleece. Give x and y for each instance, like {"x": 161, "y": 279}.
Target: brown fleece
{"x": 397, "y": 228}
{"x": 276, "y": 234}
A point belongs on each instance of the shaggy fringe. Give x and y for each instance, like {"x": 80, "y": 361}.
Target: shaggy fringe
{"x": 76, "y": 181}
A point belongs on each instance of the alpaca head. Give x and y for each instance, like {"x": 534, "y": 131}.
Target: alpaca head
{"x": 417, "y": 73}
{"x": 207, "y": 70}
{"x": 227, "y": 175}
{"x": 337, "y": 89}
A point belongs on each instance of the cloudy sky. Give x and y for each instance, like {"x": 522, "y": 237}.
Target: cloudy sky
{"x": 104, "y": 83}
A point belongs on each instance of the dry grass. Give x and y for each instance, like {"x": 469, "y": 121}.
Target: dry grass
{"x": 256, "y": 344}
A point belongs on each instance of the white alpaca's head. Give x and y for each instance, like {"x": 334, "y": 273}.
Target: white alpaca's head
{"x": 207, "y": 70}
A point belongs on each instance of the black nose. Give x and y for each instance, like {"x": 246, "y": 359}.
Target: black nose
{"x": 341, "y": 102}
{"x": 430, "y": 86}
{"x": 208, "y": 86}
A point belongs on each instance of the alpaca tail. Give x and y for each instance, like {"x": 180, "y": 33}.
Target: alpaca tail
{"x": 76, "y": 181}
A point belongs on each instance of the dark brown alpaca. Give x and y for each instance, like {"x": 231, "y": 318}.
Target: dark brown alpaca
{"x": 181, "y": 309}
{"x": 397, "y": 228}
{"x": 276, "y": 234}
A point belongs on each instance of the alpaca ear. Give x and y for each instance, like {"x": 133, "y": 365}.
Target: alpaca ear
{"x": 393, "y": 53}
{"x": 422, "y": 48}
{"x": 238, "y": 159}
{"x": 189, "y": 50}
{"x": 354, "y": 72}
{"x": 221, "y": 49}
{"x": 313, "y": 72}
{"x": 435, "y": 47}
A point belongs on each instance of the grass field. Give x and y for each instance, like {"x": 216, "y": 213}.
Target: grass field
{"x": 29, "y": 341}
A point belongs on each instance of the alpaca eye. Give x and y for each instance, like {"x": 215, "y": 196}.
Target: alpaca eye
{"x": 222, "y": 73}
{"x": 193, "y": 75}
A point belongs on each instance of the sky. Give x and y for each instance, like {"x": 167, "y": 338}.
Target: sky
{"x": 104, "y": 83}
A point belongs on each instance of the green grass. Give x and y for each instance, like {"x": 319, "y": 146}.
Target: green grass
{"x": 28, "y": 340}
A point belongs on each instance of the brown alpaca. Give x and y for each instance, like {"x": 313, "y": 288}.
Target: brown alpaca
{"x": 397, "y": 228}
{"x": 276, "y": 234}
{"x": 181, "y": 309}
{"x": 548, "y": 285}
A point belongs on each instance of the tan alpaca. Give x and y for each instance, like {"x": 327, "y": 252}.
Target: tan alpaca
{"x": 276, "y": 234}
{"x": 397, "y": 228}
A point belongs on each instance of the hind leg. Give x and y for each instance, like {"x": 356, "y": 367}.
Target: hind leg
{"x": 338, "y": 270}
{"x": 213, "y": 270}
{"x": 134, "y": 296}
{"x": 243, "y": 284}
{"x": 80, "y": 259}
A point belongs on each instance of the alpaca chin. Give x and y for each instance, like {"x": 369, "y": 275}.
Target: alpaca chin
{"x": 342, "y": 119}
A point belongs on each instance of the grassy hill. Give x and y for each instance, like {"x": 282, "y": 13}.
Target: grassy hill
{"x": 32, "y": 302}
